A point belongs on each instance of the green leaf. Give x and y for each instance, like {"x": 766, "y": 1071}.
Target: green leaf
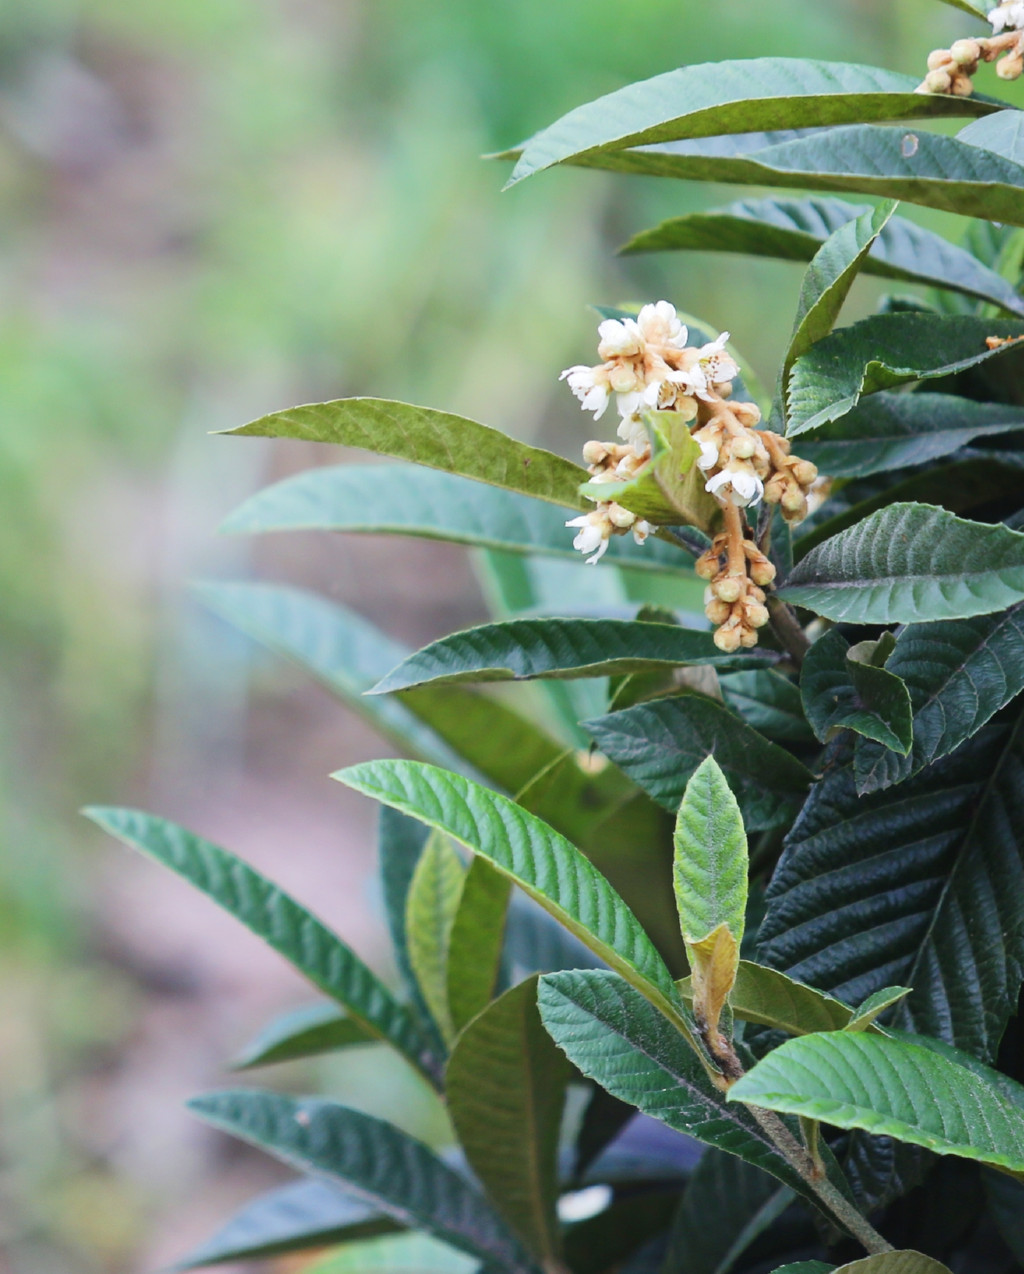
{"x": 1001, "y": 134}
{"x": 542, "y": 862}
{"x": 305, "y": 1032}
{"x": 280, "y": 921}
{"x": 1005, "y": 1198}
{"x": 429, "y": 915}
{"x": 794, "y": 230}
{"x": 805, "y": 1267}
{"x": 905, "y": 1262}
{"x": 428, "y": 437}
{"x": 889, "y": 1088}
{"x": 842, "y": 691}
{"x": 910, "y": 562}
{"x": 524, "y": 649}
{"x": 406, "y": 499}
{"x": 828, "y": 280}
{"x": 769, "y": 702}
{"x": 770, "y": 998}
{"x": 380, "y": 1164}
{"x": 875, "y": 1005}
{"x": 968, "y": 6}
{"x": 897, "y": 430}
{"x": 505, "y": 1086}
{"x": 735, "y": 97}
{"x": 661, "y": 744}
{"x": 624, "y": 1229}
{"x": 959, "y": 675}
{"x": 884, "y": 351}
{"x": 726, "y": 1205}
{"x": 931, "y": 870}
{"x": 476, "y": 941}
{"x": 710, "y": 870}
{"x": 304, "y": 1214}
{"x": 395, "y": 1254}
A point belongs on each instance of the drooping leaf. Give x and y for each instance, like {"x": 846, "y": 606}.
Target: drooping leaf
{"x": 523, "y": 649}
{"x": 280, "y": 921}
{"x": 844, "y": 692}
{"x": 505, "y": 1087}
{"x": 794, "y": 230}
{"x": 889, "y": 1088}
{"x": 769, "y": 702}
{"x": 395, "y": 1254}
{"x": 305, "y": 1032}
{"x": 430, "y": 909}
{"x": 770, "y": 998}
{"x": 895, "y": 431}
{"x": 661, "y": 744}
{"x": 543, "y": 863}
{"x": 932, "y": 870}
{"x": 304, "y": 1214}
{"x": 710, "y": 870}
{"x": 407, "y": 499}
{"x": 387, "y": 1168}
{"x": 884, "y": 351}
{"x": 734, "y": 97}
{"x": 910, "y": 562}
{"x": 428, "y": 437}
{"x": 875, "y": 1005}
{"x": 476, "y": 941}
{"x": 959, "y": 674}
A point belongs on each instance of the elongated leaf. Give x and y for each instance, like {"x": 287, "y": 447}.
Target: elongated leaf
{"x": 932, "y": 870}
{"x": 875, "y": 1005}
{"x": 804, "y": 1267}
{"x": 433, "y": 438}
{"x": 734, "y": 97}
{"x": 905, "y": 1262}
{"x": 308, "y": 1213}
{"x": 910, "y": 562}
{"x": 660, "y": 745}
{"x": 884, "y": 351}
{"x": 612, "y": 1035}
{"x": 710, "y": 869}
{"x": 890, "y": 1088}
{"x": 505, "y": 1086}
{"x": 395, "y": 1254}
{"x": 407, "y": 499}
{"x": 843, "y": 692}
{"x": 968, "y": 6}
{"x": 537, "y": 858}
{"x": 727, "y": 1204}
{"x": 794, "y": 230}
{"x": 959, "y": 675}
{"x": 523, "y": 649}
{"x": 770, "y": 998}
{"x": 769, "y": 702}
{"x": 280, "y": 921}
{"x": 378, "y": 1163}
{"x": 305, "y": 1032}
{"x": 895, "y": 431}
{"x": 430, "y": 909}
{"x": 1002, "y": 135}
{"x": 476, "y": 941}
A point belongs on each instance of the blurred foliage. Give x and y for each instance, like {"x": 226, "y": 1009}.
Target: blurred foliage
{"x": 213, "y": 208}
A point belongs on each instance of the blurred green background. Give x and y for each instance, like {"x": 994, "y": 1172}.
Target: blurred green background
{"x": 212, "y": 209}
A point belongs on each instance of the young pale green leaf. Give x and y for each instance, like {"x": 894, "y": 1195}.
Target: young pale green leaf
{"x": 884, "y": 351}
{"x": 969, "y": 6}
{"x": 430, "y": 910}
{"x": 505, "y": 1086}
{"x": 842, "y": 692}
{"x": 407, "y": 499}
{"x": 661, "y": 744}
{"x": 735, "y": 97}
{"x": 524, "y": 649}
{"x": 794, "y": 230}
{"x": 875, "y": 1005}
{"x": 710, "y": 867}
{"x": 931, "y": 868}
{"x": 726, "y": 1205}
{"x": 828, "y": 280}
{"x": 305, "y": 1214}
{"x": 395, "y": 1254}
{"x": 476, "y": 941}
{"x": 385, "y": 1167}
{"x": 959, "y": 675}
{"x": 305, "y": 1032}
{"x": 910, "y": 562}
{"x": 543, "y": 863}
{"x": 889, "y": 1088}
{"x": 280, "y": 921}
{"x": 1002, "y": 135}
{"x": 904, "y": 1262}
{"x": 898, "y": 430}
{"x": 428, "y": 437}
{"x": 804, "y": 1267}
{"x": 769, "y": 998}
{"x": 769, "y": 702}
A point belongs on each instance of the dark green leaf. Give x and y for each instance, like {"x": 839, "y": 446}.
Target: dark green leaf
{"x": 794, "y": 229}
{"x": 505, "y": 1087}
{"x": 875, "y": 1005}
{"x": 769, "y": 702}
{"x": 910, "y": 562}
{"x": 305, "y": 1032}
{"x": 889, "y": 1088}
{"x": 842, "y": 692}
{"x": 660, "y": 745}
{"x": 1006, "y": 1207}
{"x": 607, "y": 1241}
{"x": 905, "y": 1262}
{"x": 380, "y": 1164}
{"x": 411, "y": 1253}
{"x": 735, "y": 97}
{"x": 279, "y": 920}
{"x": 476, "y": 941}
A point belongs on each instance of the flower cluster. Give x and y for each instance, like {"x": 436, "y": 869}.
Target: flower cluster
{"x": 648, "y": 365}
{"x": 950, "y": 70}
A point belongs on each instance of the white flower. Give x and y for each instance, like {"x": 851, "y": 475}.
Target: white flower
{"x": 594, "y": 533}
{"x": 660, "y": 325}
{"x": 641, "y": 530}
{"x": 1008, "y": 17}
{"x": 708, "y": 450}
{"x": 713, "y": 366}
{"x": 632, "y": 432}
{"x": 583, "y": 382}
{"x": 619, "y": 338}
{"x": 745, "y": 487}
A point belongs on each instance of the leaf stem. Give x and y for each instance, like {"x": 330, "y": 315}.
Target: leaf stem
{"x": 784, "y": 625}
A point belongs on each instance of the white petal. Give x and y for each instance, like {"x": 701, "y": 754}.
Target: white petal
{"x": 618, "y": 338}
{"x": 717, "y": 482}
{"x": 593, "y": 561}
{"x": 629, "y": 404}
{"x": 708, "y": 455}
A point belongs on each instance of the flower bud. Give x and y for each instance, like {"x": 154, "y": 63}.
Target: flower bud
{"x": 762, "y": 572}
{"x": 706, "y": 565}
{"x": 748, "y": 638}
{"x": 729, "y": 589}
{"x": 595, "y": 452}
{"x": 620, "y": 517}
{"x": 748, "y": 414}
{"x": 755, "y": 614}
{"x": 964, "y": 53}
{"x": 1011, "y": 67}
{"x": 742, "y": 448}
{"x": 718, "y": 612}
{"x": 804, "y": 472}
{"x": 775, "y": 488}
{"x": 939, "y": 81}
{"x": 962, "y": 85}
{"x": 939, "y": 58}
{"x": 728, "y": 639}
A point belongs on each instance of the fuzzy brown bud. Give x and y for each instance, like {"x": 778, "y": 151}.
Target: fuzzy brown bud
{"x": 728, "y": 639}
{"x": 804, "y": 472}
{"x": 595, "y": 452}
{"x": 938, "y": 81}
{"x": 939, "y": 58}
{"x": 1011, "y": 67}
{"x": 755, "y": 614}
{"x": 965, "y": 53}
{"x": 762, "y": 572}
{"x": 706, "y": 566}
{"x": 718, "y": 612}
{"x": 729, "y": 589}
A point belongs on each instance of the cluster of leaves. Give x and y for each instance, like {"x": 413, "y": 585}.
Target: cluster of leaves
{"x": 843, "y": 1047}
